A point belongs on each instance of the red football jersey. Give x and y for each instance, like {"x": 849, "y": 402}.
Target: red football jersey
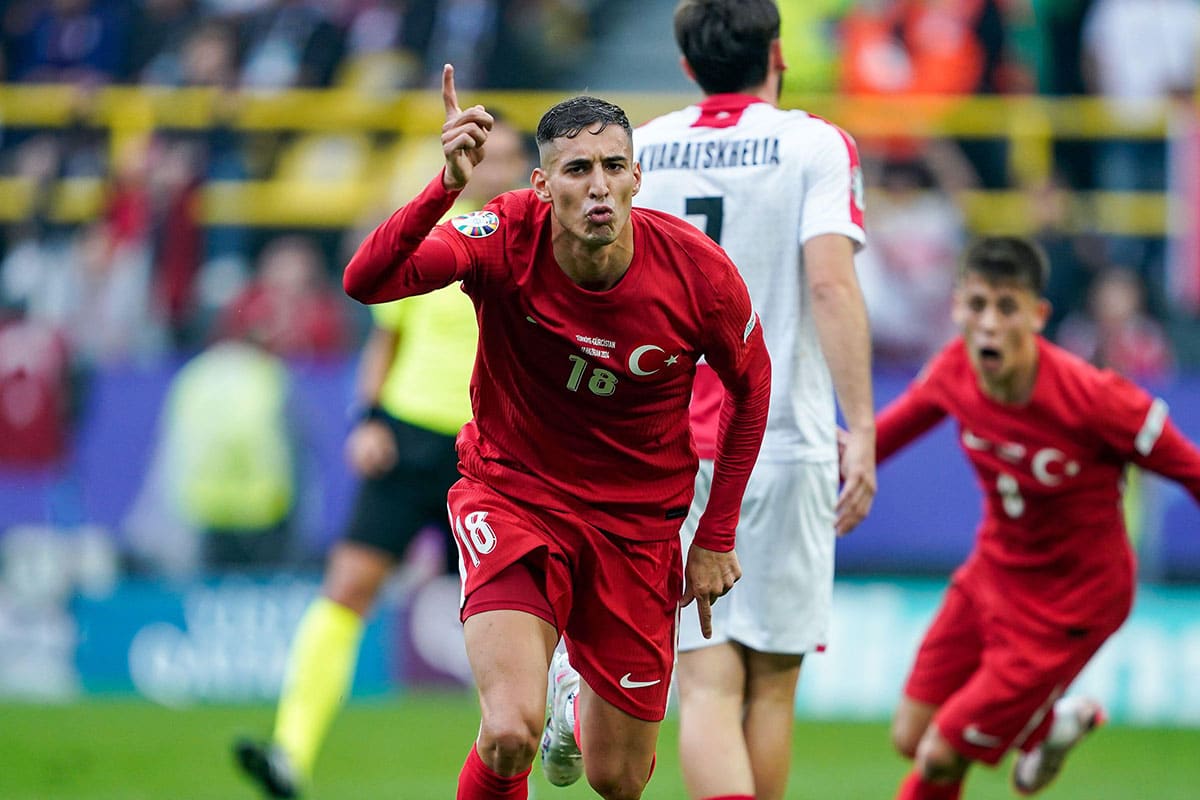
{"x": 1052, "y": 540}
{"x": 580, "y": 397}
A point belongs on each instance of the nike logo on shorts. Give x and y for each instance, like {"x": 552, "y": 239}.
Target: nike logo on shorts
{"x": 628, "y": 682}
{"x": 972, "y": 735}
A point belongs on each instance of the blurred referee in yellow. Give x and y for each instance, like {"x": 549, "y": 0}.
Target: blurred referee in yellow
{"x": 413, "y": 388}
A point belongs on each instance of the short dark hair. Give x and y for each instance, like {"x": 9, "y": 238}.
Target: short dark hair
{"x": 1007, "y": 259}
{"x": 571, "y": 117}
{"x": 726, "y": 42}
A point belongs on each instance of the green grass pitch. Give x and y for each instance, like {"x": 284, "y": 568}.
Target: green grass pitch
{"x": 412, "y": 747}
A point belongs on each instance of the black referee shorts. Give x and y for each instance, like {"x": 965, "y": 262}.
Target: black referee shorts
{"x": 391, "y": 510}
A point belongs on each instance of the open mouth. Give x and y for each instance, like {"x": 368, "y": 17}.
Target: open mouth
{"x": 990, "y": 357}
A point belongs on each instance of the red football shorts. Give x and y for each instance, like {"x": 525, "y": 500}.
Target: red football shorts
{"x": 614, "y": 600}
{"x": 994, "y": 684}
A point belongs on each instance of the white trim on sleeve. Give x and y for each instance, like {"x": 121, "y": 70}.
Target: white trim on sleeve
{"x": 1152, "y": 427}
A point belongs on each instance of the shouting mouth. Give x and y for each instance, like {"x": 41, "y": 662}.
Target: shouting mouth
{"x": 990, "y": 358}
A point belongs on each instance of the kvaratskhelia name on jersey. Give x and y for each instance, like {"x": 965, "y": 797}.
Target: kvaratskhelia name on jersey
{"x": 710, "y": 155}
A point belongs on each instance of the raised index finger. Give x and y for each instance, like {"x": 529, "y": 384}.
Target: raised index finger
{"x": 449, "y": 96}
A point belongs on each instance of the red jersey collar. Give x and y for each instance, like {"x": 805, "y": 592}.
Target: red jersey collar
{"x": 723, "y": 110}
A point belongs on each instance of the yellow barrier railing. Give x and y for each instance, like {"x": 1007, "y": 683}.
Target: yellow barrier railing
{"x": 279, "y": 203}
{"x": 419, "y": 112}
{"x": 1030, "y": 125}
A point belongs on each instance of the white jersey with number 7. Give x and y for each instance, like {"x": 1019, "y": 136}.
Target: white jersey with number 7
{"x": 761, "y": 181}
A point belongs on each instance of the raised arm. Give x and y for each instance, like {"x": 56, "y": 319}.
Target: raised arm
{"x": 463, "y": 135}
{"x": 397, "y": 259}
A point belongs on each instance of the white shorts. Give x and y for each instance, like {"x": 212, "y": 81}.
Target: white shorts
{"x": 785, "y": 546}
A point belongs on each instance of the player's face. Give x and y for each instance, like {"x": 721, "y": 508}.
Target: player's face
{"x": 590, "y": 180}
{"x": 1000, "y": 323}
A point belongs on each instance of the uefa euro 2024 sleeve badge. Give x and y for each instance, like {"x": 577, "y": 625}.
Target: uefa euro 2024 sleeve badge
{"x": 477, "y": 224}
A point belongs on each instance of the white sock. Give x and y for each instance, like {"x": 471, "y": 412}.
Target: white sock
{"x": 1065, "y": 728}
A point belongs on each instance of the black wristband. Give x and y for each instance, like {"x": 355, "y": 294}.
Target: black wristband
{"x": 371, "y": 412}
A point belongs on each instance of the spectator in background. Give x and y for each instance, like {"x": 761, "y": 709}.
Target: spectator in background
{"x": 1056, "y": 50}
{"x": 1137, "y": 55}
{"x": 464, "y": 33}
{"x": 16, "y": 23}
{"x": 1116, "y": 333}
{"x": 153, "y": 202}
{"x": 210, "y": 59}
{"x": 915, "y": 48}
{"x": 1049, "y": 33}
{"x": 39, "y": 391}
{"x": 157, "y": 35}
{"x": 67, "y": 41}
{"x": 289, "y": 307}
{"x": 1074, "y": 255}
{"x": 907, "y": 274}
{"x": 33, "y": 249}
{"x": 176, "y": 235}
{"x": 90, "y": 285}
{"x": 110, "y": 311}
{"x": 413, "y": 396}
{"x": 126, "y": 210}
{"x": 290, "y": 43}
{"x": 381, "y": 54}
{"x": 923, "y": 47}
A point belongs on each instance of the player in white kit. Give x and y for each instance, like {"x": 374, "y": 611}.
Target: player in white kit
{"x": 781, "y": 191}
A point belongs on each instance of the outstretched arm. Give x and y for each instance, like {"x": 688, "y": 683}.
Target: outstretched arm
{"x": 1174, "y": 456}
{"x": 1140, "y": 427}
{"x": 905, "y": 418}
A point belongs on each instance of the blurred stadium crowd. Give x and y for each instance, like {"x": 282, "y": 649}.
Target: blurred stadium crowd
{"x": 112, "y": 253}
{"x": 158, "y": 277}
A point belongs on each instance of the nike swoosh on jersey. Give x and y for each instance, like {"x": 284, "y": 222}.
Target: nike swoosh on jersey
{"x": 628, "y": 682}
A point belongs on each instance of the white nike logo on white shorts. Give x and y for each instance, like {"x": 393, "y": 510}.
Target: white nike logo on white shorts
{"x": 629, "y": 683}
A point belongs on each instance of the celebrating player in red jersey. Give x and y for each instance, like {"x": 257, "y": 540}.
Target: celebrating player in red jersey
{"x": 578, "y": 465}
{"x": 1052, "y": 574}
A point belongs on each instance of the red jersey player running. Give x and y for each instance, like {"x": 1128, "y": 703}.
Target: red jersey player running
{"x": 1052, "y": 573}
{"x": 578, "y": 466}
